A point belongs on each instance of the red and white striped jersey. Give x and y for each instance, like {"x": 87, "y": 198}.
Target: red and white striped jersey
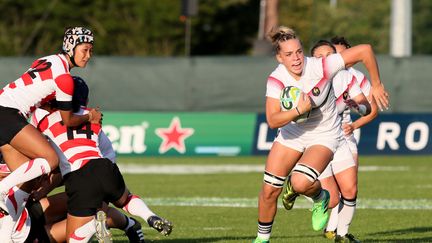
{"x": 75, "y": 146}
{"x": 47, "y": 78}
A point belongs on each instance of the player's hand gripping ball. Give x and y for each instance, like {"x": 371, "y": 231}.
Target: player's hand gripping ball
{"x": 289, "y": 99}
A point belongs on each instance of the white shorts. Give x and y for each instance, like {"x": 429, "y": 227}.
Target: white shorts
{"x": 301, "y": 143}
{"x": 352, "y": 143}
{"x": 342, "y": 160}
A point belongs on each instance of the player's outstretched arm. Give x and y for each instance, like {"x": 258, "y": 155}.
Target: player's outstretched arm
{"x": 364, "y": 53}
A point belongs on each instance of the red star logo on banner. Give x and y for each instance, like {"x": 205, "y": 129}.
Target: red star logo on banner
{"x": 174, "y": 136}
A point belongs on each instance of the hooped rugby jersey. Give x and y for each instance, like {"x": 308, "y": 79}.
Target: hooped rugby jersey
{"x": 316, "y": 83}
{"x": 345, "y": 86}
{"x": 47, "y": 78}
{"x": 74, "y": 146}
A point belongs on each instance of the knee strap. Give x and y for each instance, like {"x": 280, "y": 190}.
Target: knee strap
{"x": 310, "y": 173}
{"x": 349, "y": 202}
{"x": 274, "y": 180}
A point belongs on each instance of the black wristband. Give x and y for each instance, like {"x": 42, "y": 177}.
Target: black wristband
{"x": 298, "y": 111}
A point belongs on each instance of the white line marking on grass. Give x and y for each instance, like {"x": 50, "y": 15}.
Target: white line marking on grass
{"x": 220, "y": 169}
{"x": 383, "y": 168}
{"x": 216, "y": 228}
{"x": 424, "y": 186}
{"x": 301, "y": 203}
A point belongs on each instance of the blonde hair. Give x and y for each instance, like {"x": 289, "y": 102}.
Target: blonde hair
{"x": 280, "y": 34}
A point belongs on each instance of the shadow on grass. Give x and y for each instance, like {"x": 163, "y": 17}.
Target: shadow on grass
{"x": 400, "y": 235}
{"x": 205, "y": 240}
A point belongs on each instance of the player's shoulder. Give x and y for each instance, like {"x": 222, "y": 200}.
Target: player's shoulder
{"x": 279, "y": 72}
{"x": 57, "y": 62}
{"x": 313, "y": 66}
{"x": 359, "y": 75}
{"x": 341, "y": 81}
{"x": 343, "y": 75}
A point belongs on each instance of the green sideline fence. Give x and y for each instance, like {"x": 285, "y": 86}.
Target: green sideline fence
{"x": 209, "y": 84}
{"x": 180, "y": 133}
{"x": 199, "y": 133}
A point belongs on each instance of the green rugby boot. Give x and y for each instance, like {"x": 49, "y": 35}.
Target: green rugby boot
{"x": 329, "y": 235}
{"x": 289, "y": 196}
{"x": 320, "y": 214}
{"x": 259, "y": 240}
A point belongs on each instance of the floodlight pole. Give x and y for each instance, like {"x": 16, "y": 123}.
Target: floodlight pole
{"x": 400, "y": 28}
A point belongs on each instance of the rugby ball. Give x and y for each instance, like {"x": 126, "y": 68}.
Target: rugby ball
{"x": 289, "y": 99}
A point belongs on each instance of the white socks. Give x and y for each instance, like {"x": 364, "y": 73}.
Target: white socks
{"x": 27, "y": 171}
{"x": 83, "y": 233}
{"x": 137, "y": 207}
{"x": 346, "y": 215}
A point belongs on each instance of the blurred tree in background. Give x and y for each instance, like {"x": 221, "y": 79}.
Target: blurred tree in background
{"x": 222, "y": 27}
{"x": 422, "y": 27}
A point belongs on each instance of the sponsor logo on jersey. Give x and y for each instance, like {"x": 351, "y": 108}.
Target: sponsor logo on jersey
{"x": 316, "y": 91}
{"x": 345, "y": 95}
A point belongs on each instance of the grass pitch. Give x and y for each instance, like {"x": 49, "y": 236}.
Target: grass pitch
{"x": 394, "y": 201}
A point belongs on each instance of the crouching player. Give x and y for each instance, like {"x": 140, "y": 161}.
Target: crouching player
{"x": 44, "y": 220}
{"x": 90, "y": 178}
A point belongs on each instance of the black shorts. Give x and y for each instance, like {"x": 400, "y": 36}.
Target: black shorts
{"x": 37, "y": 230}
{"x": 11, "y": 122}
{"x": 98, "y": 181}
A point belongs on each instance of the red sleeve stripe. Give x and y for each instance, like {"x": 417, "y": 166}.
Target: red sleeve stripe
{"x": 46, "y": 75}
{"x": 12, "y": 199}
{"x": 43, "y": 124}
{"x": 76, "y": 143}
{"x": 85, "y": 155}
{"x": 353, "y": 80}
{"x": 27, "y": 79}
{"x": 64, "y": 64}
{"x": 22, "y": 220}
{"x": 363, "y": 82}
{"x": 324, "y": 79}
{"x": 35, "y": 120}
{"x": 276, "y": 82}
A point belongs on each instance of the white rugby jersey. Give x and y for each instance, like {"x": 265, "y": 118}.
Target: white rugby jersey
{"x": 365, "y": 87}
{"x": 316, "y": 83}
{"x": 345, "y": 86}
{"x": 75, "y": 147}
{"x": 48, "y": 77}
